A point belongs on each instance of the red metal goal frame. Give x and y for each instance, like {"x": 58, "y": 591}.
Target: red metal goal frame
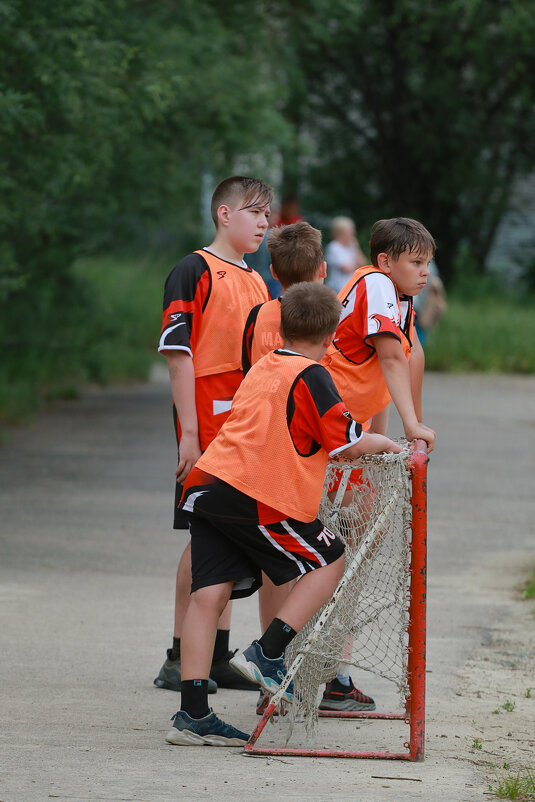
{"x": 414, "y": 714}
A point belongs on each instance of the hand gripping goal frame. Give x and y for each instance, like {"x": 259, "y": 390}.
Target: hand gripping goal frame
{"x": 411, "y": 492}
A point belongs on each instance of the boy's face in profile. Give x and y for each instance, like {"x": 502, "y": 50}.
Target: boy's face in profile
{"x": 409, "y": 271}
{"x": 247, "y": 225}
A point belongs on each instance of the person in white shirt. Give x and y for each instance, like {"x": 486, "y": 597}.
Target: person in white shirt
{"x": 343, "y": 254}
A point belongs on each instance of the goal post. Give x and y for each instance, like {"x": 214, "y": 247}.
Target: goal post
{"x": 376, "y": 618}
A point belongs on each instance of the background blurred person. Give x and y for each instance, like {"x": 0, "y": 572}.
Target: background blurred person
{"x": 343, "y": 254}
{"x": 430, "y": 304}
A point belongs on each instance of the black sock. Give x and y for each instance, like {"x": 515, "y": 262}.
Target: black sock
{"x": 194, "y": 697}
{"x": 276, "y": 638}
{"x": 174, "y": 652}
{"x": 221, "y": 644}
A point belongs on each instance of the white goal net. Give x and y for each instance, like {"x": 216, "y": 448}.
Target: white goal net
{"x": 364, "y": 625}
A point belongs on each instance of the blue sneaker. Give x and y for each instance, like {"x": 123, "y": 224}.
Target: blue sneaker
{"x": 266, "y": 672}
{"x": 210, "y": 730}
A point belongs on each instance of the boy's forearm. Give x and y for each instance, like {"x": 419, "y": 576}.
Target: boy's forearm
{"x": 398, "y": 380}
{"x": 182, "y": 378}
{"x": 416, "y": 367}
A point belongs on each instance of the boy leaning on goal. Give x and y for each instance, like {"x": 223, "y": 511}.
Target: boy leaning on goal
{"x": 246, "y": 516}
{"x": 207, "y": 298}
{"x": 376, "y": 356}
{"x": 296, "y": 255}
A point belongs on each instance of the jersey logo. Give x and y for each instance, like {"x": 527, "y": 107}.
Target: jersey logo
{"x": 380, "y": 320}
{"x": 390, "y": 306}
{"x": 221, "y": 273}
{"x": 326, "y": 535}
{"x": 175, "y": 315}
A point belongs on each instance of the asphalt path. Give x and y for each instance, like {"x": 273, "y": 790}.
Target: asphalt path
{"x": 88, "y": 559}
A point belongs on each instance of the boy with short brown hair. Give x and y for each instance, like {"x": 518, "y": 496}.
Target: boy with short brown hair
{"x": 296, "y": 255}
{"x": 376, "y": 356}
{"x": 286, "y": 420}
{"x": 207, "y": 298}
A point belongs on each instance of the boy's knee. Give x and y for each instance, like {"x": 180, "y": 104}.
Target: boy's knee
{"x": 212, "y": 597}
{"x": 339, "y": 566}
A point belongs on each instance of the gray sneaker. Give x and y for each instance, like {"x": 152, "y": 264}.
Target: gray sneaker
{"x": 210, "y": 730}
{"x": 169, "y": 676}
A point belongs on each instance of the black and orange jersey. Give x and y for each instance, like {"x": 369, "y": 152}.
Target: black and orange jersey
{"x": 371, "y": 308}
{"x": 206, "y": 303}
{"x": 316, "y": 416}
{"x": 286, "y": 419}
{"x": 261, "y": 334}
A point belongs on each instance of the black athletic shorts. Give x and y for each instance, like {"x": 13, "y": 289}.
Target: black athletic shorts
{"x": 180, "y": 519}
{"x": 228, "y": 544}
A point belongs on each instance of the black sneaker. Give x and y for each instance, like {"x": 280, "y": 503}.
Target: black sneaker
{"x": 210, "y": 730}
{"x": 169, "y": 676}
{"x": 338, "y": 696}
{"x": 225, "y": 676}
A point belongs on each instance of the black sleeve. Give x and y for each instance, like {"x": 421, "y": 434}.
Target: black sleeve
{"x": 247, "y": 340}
{"x": 186, "y": 294}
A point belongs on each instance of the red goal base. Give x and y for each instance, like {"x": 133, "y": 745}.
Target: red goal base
{"x": 414, "y": 715}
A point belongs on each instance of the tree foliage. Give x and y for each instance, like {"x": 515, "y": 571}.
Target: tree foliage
{"x": 416, "y": 109}
{"x": 108, "y": 111}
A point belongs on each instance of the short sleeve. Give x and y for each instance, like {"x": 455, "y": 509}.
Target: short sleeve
{"x": 186, "y": 292}
{"x": 382, "y": 311}
{"x": 317, "y": 416}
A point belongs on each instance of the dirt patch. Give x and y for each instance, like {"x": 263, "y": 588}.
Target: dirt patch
{"x": 498, "y": 680}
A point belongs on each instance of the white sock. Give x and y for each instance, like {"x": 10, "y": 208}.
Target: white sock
{"x": 343, "y": 678}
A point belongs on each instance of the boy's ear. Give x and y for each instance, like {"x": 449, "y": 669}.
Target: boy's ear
{"x": 383, "y": 262}
{"x": 322, "y": 271}
{"x": 223, "y": 214}
{"x": 328, "y": 340}
{"x": 273, "y": 273}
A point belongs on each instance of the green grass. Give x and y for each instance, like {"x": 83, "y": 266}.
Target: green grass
{"x": 529, "y": 590}
{"x": 106, "y": 332}
{"x": 492, "y": 335}
{"x": 520, "y": 786}
{"x": 128, "y": 295}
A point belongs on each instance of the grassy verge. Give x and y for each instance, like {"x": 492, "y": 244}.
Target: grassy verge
{"x": 106, "y": 330}
{"x": 529, "y": 590}
{"x": 520, "y": 786}
{"x": 494, "y": 335}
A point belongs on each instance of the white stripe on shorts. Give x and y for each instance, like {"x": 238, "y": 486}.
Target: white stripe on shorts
{"x": 191, "y": 499}
{"x": 280, "y": 548}
{"x": 305, "y": 545}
